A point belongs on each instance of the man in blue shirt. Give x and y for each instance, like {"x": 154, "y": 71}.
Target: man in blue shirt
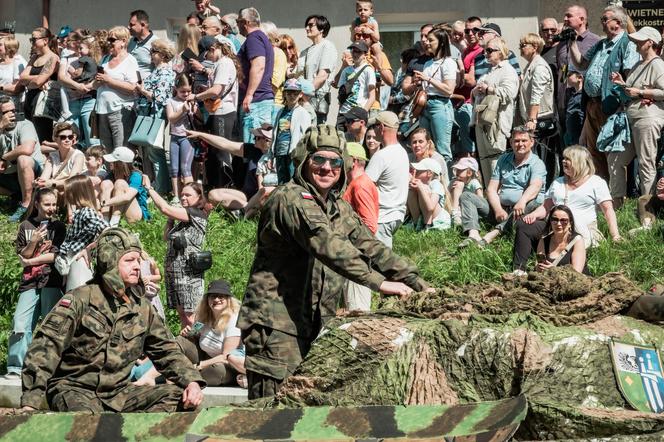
{"x": 515, "y": 189}
{"x": 614, "y": 53}
{"x": 487, "y": 33}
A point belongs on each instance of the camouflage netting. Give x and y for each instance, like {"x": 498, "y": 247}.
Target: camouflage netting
{"x": 488, "y": 347}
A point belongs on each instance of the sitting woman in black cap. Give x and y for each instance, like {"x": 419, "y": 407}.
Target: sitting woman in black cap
{"x": 213, "y": 343}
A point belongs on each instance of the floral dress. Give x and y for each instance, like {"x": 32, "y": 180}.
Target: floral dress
{"x": 160, "y": 83}
{"x": 184, "y": 286}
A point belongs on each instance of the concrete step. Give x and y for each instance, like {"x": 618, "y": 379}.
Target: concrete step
{"x": 10, "y": 395}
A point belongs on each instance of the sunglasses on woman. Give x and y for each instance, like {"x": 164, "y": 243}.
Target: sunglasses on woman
{"x": 67, "y": 137}
{"x": 320, "y": 160}
{"x": 34, "y": 39}
{"x": 562, "y": 221}
{"x": 489, "y": 51}
{"x": 111, "y": 40}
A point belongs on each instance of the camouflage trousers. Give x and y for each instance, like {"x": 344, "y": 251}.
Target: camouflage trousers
{"x": 648, "y": 308}
{"x": 160, "y": 398}
{"x": 272, "y": 356}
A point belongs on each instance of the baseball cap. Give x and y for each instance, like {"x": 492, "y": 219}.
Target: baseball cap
{"x": 219, "y": 287}
{"x": 360, "y": 46}
{"x": 307, "y": 87}
{"x": 120, "y": 153}
{"x": 491, "y": 27}
{"x": 204, "y": 45}
{"x": 466, "y": 163}
{"x": 356, "y": 113}
{"x": 428, "y": 164}
{"x": 64, "y": 31}
{"x": 355, "y": 150}
{"x": 264, "y": 131}
{"x": 646, "y": 33}
{"x": 292, "y": 84}
{"x": 387, "y": 119}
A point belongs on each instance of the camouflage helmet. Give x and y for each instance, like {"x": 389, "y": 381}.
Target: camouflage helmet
{"x": 112, "y": 244}
{"x": 316, "y": 139}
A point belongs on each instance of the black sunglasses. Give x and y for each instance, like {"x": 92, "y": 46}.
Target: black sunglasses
{"x": 320, "y": 160}
{"x": 111, "y": 40}
{"x": 67, "y": 137}
{"x": 34, "y": 39}
{"x": 559, "y": 220}
{"x": 490, "y": 51}
{"x": 473, "y": 30}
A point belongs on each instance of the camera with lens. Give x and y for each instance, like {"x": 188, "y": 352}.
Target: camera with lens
{"x": 565, "y": 35}
{"x": 179, "y": 240}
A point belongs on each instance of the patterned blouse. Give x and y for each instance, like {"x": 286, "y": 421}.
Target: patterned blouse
{"x": 160, "y": 83}
{"x": 86, "y": 226}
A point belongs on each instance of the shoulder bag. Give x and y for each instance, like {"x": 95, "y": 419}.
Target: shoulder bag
{"x": 347, "y": 88}
{"x": 148, "y": 130}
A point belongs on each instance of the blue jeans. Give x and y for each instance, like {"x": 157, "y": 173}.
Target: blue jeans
{"x": 157, "y": 157}
{"x": 437, "y": 118}
{"x": 285, "y": 168}
{"x": 80, "y": 116}
{"x": 31, "y": 305}
{"x": 259, "y": 113}
{"x": 462, "y": 116}
{"x": 182, "y": 155}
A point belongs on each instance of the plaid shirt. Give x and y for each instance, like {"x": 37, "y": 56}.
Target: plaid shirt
{"x": 87, "y": 225}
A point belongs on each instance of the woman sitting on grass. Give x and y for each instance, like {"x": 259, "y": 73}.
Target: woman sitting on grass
{"x": 125, "y": 194}
{"x": 427, "y": 197}
{"x": 561, "y": 244}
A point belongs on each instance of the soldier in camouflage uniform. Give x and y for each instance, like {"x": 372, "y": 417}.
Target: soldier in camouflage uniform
{"x": 309, "y": 240}
{"x": 82, "y": 355}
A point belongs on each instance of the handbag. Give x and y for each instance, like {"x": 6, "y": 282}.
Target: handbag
{"x": 148, "y": 130}
{"x": 487, "y": 110}
{"x": 200, "y": 261}
{"x": 48, "y": 104}
{"x": 420, "y": 98}
{"x": 347, "y": 88}
{"x": 213, "y": 104}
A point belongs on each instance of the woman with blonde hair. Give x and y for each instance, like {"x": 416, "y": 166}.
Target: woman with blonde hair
{"x": 116, "y": 83}
{"x": 287, "y": 44}
{"x": 422, "y": 146}
{"x": 580, "y": 190}
{"x": 187, "y": 41}
{"x": 499, "y": 87}
{"x": 11, "y": 66}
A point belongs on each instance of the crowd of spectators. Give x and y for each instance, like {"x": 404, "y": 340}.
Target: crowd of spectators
{"x": 463, "y": 135}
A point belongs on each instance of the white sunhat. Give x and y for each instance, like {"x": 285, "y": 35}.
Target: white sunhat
{"x": 428, "y": 164}
{"x": 120, "y": 153}
{"x": 646, "y": 33}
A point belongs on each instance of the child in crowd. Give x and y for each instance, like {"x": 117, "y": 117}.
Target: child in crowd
{"x": 575, "y": 112}
{"x": 365, "y": 20}
{"x": 125, "y": 193}
{"x": 291, "y": 123}
{"x": 87, "y": 223}
{"x": 37, "y": 241}
{"x": 356, "y": 82}
{"x": 180, "y": 114}
{"x": 465, "y": 180}
{"x": 307, "y": 93}
{"x": 94, "y": 164}
{"x": 427, "y": 197}
{"x": 82, "y": 71}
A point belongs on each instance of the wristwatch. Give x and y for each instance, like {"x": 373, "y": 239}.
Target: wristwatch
{"x": 640, "y": 93}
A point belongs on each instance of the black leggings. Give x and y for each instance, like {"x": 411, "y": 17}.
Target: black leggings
{"x": 525, "y": 240}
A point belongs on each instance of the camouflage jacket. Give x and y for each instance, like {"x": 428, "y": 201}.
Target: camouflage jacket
{"x": 90, "y": 341}
{"x": 305, "y": 249}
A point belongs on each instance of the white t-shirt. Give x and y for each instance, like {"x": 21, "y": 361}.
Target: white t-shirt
{"x": 10, "y": 73}
{"x": 389, "y": 169}
{"x": 441, "y": 70}
{"x": 359, "y": 95}
{"x": 110, "y": 99}
{"x": 582, "y": 201}
{"x": 60, "y": 171}
{"x": 212, "y": 341}
{"x": 225, "y": 74}
{"x": 321, "y": 56}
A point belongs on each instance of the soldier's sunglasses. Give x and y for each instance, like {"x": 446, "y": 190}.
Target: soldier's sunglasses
{"x": 320, "y": 160}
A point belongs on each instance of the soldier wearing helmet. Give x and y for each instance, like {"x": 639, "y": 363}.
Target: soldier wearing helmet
{"x": 82, "y": 355}
{"x": 309, "y": 240}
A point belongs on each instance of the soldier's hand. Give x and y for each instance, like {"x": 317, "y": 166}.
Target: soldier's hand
{"x": 395, "y": 288}
{"x": 185, "y": 331}
{"x": 192, "y": 396}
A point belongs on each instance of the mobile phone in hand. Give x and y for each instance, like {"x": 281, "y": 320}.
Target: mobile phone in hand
{"x": 100, "y": 69}
{"x": 541, "y": 257}
{"x": 196, "y": 329}
{"x": 138, "y": 75}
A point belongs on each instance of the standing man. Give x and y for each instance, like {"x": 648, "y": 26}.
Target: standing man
{"x": 21, "y": 159}
{"x": 389, "y": 169}
{"x": 309, "y": 240}
{"x": 257, "y": 59}
{"x": 356, "y": 119}
{"x": 614, "y": 53}
{"x": 409, "y": 84}
{"x": 82, "y": 355}
{"x": 362, "y": 195}
{"x": 213, "y": 27}
{"x": 576, "y": 18}
{"x": 141, "y": 43}
{"x": 548, "y": 29}
{"x": 317, "y": 62}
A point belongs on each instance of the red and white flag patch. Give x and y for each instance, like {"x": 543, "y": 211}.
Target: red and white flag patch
{"x": 307, "y": 196}
{"x": 65, "y": 302}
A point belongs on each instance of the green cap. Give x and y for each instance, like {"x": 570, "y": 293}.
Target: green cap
{"x": 355, "y": 150}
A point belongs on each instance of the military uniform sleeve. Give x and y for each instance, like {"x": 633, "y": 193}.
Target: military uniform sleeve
{"x": 51, "y": 340}
{"x": 309, "y": 227}
{"x": 392, "y": 266}
{"x": 167, "y": 356}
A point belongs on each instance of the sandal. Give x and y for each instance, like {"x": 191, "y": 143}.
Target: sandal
{"x": 242, "y": 381}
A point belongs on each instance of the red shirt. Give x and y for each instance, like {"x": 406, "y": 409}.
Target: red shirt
{"x": 362, "y": 195}
{"x": 468, "y": 57}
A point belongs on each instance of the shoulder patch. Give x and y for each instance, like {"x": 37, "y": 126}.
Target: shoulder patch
{"x": 64, "y": 302}
{"x": 307, "y": 196}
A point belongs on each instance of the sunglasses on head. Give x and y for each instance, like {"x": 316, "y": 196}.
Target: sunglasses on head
{"x": 490, "y": 51}
{"x": 469, "y": 31}
{"x": 67, "y": 137}
{"x": 320, "y": 160}
{"x": 562, "y": 221}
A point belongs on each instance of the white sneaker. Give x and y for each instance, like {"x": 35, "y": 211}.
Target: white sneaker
{"x": 12, "y": 376}
{"x": 456, "y": 217}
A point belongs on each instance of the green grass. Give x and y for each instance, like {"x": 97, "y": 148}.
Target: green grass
{"x": 436, "y": 254}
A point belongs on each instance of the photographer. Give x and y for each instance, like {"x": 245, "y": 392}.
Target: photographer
{"x": 184, "y": 284}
